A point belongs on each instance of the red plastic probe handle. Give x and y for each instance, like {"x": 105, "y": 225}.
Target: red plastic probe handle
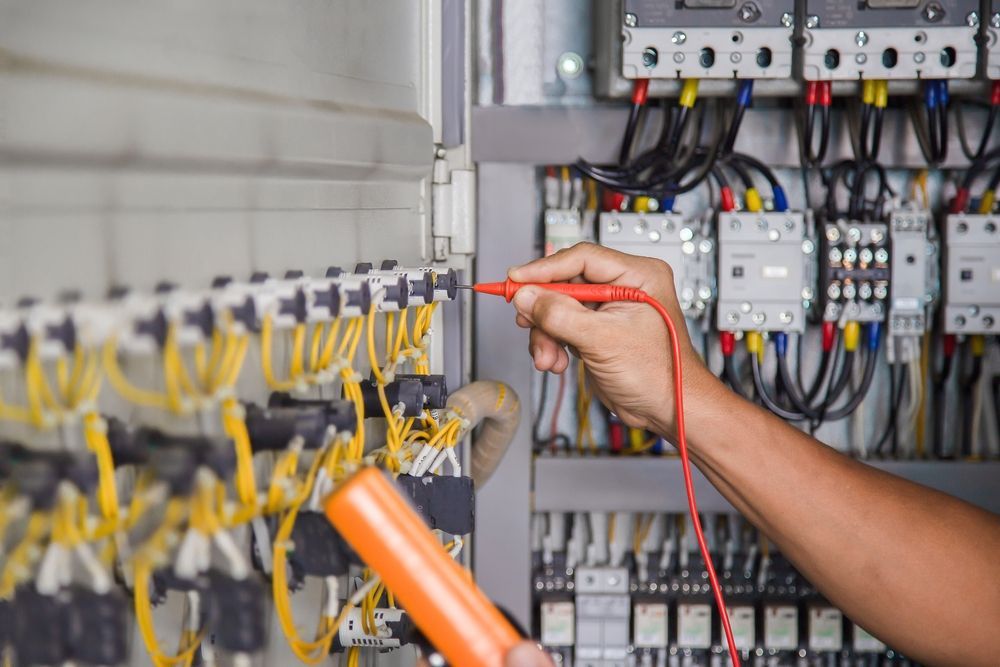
{"x": 589, "y": 293}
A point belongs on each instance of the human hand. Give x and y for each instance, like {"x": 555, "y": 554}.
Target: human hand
{"x": 527, "y": 654}
{"x": 624, "y": 346}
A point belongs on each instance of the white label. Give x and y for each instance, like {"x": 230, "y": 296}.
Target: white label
{"x": 826, "y": 629}
{"x": 995, "y": 274}
{"x": 774, "y": 271}
{"x": 906, "y": 303}
{"x": 781, "y": 627}
{"x": 558, "y": 623}
{"x": 650, "y": 630}
{"x": 743, "y": 621}
{"x": 694, "y": 625}
{"x": 864, "y": 642}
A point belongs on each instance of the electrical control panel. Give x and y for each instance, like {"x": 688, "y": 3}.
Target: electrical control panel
{"x": 763, "y": 271}
{"x": 856, "y": 271}
{"x": 708, "y": 39}
{"x": 890, "y": 39}
{"x": 972, "y": 274}
{"x": 678, "y": 242}
{"x": 914, "y": 273}
{"x": 993, "y": 41}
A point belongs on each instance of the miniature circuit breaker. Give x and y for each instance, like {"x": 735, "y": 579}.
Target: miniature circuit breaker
{"x": 993, "y": 41}
{"x": 764, "y": 271}
{"x": 676, "y": 241}
{"x": 708, "y": 39}
{"x": 855, "y": 271}
{"x": 603, "y": 610}
{"x": 972, "y": 274}
{"x": 914, "y": 275}
{"x": 890, "y": 39}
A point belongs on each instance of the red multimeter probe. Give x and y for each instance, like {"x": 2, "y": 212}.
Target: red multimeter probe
{"x": 590, "y": 293}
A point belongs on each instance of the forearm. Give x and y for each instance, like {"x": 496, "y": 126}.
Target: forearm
{"x": 875, "y": 545}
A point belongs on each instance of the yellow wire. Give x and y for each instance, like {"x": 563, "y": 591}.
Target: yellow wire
{"x": 266, "y": 332}
{"x": 128, "y": 391}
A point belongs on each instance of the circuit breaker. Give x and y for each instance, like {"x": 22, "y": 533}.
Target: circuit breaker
{"x": 708, "y": 39}
{"x": 562, "y": 229}
{"x": 972, "y": 274}
{"x": 763, "y": 274}
{"x": 913, "y": 274}
{"x": 603, "y": 611}
{"x": 856, "y": 273}
{"x": 993, "y": 41}
{"x": 678, "y": 242}
{"x": 890, "y": 39}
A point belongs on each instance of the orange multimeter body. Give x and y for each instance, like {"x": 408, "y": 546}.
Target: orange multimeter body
{"x": 440, "y": 597}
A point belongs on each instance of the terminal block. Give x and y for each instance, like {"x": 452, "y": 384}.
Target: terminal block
{"x": 993, "y": 41}
{"x": 603, "y": 610}
{"x": 708, "y": 39}
{"x": 913, "y": 275}
{"x": 856, "y": 271}
{"x": 676, "y": 241}
{"x": 972, "y": 274}
{"x": 764, "y": 280}
{"x": 563, "y": 229}
{"x": 890, "y": 39}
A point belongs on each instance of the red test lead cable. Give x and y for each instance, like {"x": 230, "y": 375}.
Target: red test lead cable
{"x": 590, "y": 293}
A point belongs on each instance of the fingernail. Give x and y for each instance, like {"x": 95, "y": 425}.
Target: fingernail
{"x": 524, "y": 300}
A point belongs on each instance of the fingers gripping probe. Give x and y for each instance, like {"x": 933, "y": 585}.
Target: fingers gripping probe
{"x": 591, "y": 293}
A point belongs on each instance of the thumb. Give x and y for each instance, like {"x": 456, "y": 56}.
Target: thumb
{"x": 562, "y": 317}
{"x": 526, "y": 654}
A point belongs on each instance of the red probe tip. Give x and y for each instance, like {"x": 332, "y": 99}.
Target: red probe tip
{"x": 507, "y": 289}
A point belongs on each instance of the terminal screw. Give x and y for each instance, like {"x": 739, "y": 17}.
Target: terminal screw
{"x": 631, "y": 20}
{"x": 933, "y": 12}
{"x": 678, "y": 38}
{"x": 861, "y": 38}
{"x": 749, "y": 12}
{"x": 972, "y": 19}
{"x": 812, "y": 21}
{"x": 787, "y": 20}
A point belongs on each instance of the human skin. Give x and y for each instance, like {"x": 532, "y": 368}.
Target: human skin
{"x": 917, "y": 568}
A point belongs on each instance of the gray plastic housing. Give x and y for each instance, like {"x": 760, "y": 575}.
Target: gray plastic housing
{"x": 674, "y": 240}
{"x": 763, "y": 271}
{"x": 972, "y": 274}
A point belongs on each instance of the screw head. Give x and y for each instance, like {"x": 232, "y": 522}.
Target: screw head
{"x": 835, "y": 256}
{"x": 960, "y": 320}
{"x": 570, "y": 65}
{"x": 687, "y": 294}
{"x": 866, "y": 256}
{"x": 861, "y": 59}
{"x": 988, "y": 321}
{"x": 773, "y": 235}
{"x": 785, "y": 317}
{"x": 854, "y": 235}
{"x": 762, "y": 224}
{"x": 919, "y": 57}
{"x": 654, "y": 236}
{"x": 812, "y": 21}
{"x": 705, "y": 246}
{"x": 678, "y": 38}
{"x": 850, "y": 256}
{"x": 880, "y": 292}
{"x": 735, "y": 225}
{"x": 881, "y": 255}
{"x": 865, "y": 291}
{"x": 787, "y": 20}
{"x": 962, "y": 227}
{"x": 732, "y": 317}
{"x": 849, "y": 291}
{"x": 614, "y": 226}
{"x": 995, "y": 20}
{"x": 631, "y": 20}
{"x": 640, "y": 227}
{"x": 990, "y": 227}
{"x": 832, "y": 234}
{"x": 972, "y": 19}
{"x": 705, "y": 292}
{"x": 833, "y": 291}
{"x": 688, "y": 248}
{"x": 746, "y": 307}
{"x": 861, "y": 38}
{"x": 808, "y": 293}
{"x": 877, "y": 236}
{"x": 678, "y": 58}
{"x": 749, "y": 12}
{"x": 933, "y": 12}
{"x": 808, "y": 247}
{"x": 759, "y": 318}
{"x": 687, "y": 234}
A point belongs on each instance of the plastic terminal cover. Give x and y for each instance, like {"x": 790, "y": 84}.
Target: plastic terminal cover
{"x": 38, "y": 633}
{"x": 446, "y": 503}
{"x": 339, "y": 414}
{"x": 319, "y": 551}
{"x": 272, "y": 428}
{"x": 98, "y": 628}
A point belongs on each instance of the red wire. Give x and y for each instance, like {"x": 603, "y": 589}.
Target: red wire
{"x": 590, "y": 293}
{"x": 686, "y": 466}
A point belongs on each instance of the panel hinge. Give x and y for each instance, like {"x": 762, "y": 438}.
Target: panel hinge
{"x": 453, "y": 211}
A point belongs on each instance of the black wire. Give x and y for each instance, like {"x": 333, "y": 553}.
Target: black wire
{"x": 859, "y": 395}
{"x": 991, "y": 118}
{"x": 765, "y": 396}
{"x": 732, "y": 376}
{"x": 939, "y": 378}
{"x": 807, "y": 127}
{"x": 895, "y": 400}
{"x": 967, "y": 383}
{"x": 633, "y": 122}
